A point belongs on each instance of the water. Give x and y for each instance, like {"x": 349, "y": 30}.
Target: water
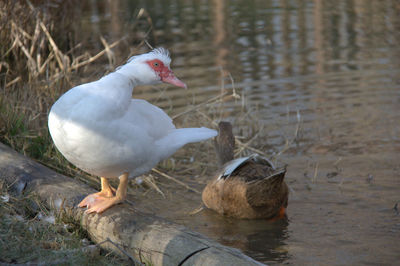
{"x": 328, "y": 70}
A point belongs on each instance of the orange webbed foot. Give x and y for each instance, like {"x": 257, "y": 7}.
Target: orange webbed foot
{"x": 107, "y": 197}
{"x": 89, "y": 199}
{"x": 99, "y": 204}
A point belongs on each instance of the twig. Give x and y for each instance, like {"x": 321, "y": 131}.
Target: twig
{"x": 150, "y": 180}
{"x": 35, "y": 37}
{"x": 148, "y": 44}
{"x": 31, "y": 62}
{"x": 93, "y": 58}
{"x": 296, "y": 132}
{"x": 57, "y": 52}
{"x": 13, "y": 81}
{"x": 251, "y": 148}
{"x": 10, "y": 49}
{"x": 234, "y": 94}
{"x": 245, "y": 145}
{"x": 197, "y": 210}
{"x": 24, "y": 33}
{"x": 212, "y": 121}
{"x": 175, "y": 180}
{"x": 201, "y": 104}
{"x": 42, "y": 68}
{"x": 337, "y": 161}
{"x": 285, "y": 148}
{"x": 110, "y": 54}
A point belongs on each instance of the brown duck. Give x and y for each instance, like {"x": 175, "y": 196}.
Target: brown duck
{"x": 248, "y": 187}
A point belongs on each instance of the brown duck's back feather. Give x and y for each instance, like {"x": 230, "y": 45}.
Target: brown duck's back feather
{"x": 270, "y": 191}
{"x": 251, "y": 171}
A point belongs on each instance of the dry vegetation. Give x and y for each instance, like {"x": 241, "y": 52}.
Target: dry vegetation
{"x": 38, "y": 63}
{"x": 34, "y": 71}
{"x": 30, "y": 233}
{"x": 40, "y": 59}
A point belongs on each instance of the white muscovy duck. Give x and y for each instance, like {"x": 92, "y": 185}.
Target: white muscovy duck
{"x": 99, "y": 128}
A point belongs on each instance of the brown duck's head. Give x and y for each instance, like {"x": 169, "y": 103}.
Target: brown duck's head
{"x": 224, "y": 143}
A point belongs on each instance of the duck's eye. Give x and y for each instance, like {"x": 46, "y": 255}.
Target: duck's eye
{"x": 156, "y": 64}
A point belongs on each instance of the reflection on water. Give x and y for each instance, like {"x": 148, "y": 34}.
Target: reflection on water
{"x": 262, "y": 240}
{"x": 331, "y": 67}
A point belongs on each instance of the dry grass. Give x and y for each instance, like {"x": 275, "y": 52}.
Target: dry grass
{"x": 30, "y": 233}
{"x": 35, "y": 68}
{"x": 39, "y": 62}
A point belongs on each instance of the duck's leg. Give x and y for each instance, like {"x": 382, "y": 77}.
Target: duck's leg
{"x": 106, "y": 191}
{"x": 107, "y": 197}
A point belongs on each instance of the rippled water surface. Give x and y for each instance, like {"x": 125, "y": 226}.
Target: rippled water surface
{"x": 320, "y": 89}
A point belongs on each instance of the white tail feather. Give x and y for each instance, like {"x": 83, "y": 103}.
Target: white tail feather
{"x": 179, "y": 137}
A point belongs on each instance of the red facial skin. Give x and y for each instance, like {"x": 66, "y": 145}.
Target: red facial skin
{"x": 165, "y": 74}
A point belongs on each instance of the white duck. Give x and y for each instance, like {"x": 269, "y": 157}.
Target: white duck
{"x": 99, "y": 128}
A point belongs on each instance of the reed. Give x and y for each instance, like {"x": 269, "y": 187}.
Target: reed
{"x": 39, "y": 61}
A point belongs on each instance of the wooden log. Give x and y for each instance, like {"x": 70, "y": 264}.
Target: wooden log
{"x": 122, "y": 229}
